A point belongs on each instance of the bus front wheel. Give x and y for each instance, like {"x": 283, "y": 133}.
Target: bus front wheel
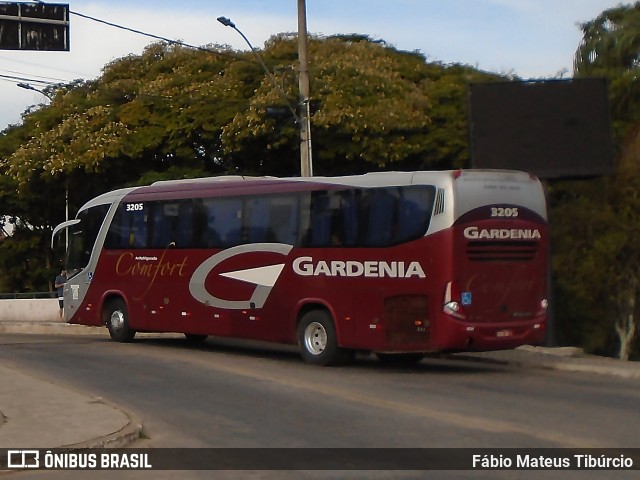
{"x": 118, "y": 321}
{"x": 318, "y": 341}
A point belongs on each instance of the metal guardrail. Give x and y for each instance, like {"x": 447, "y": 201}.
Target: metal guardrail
{"x": 27, "y": 295}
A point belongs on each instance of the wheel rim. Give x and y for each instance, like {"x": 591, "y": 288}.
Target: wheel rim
{"x": 315, "y": 338}
{"x": 117, "y": 320}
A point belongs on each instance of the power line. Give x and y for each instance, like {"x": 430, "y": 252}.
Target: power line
{"x": 157, "y": 37}
{"x": 46, "y": 78}
{"x": 48, "y": 67}
{"x": 13, "y": 78}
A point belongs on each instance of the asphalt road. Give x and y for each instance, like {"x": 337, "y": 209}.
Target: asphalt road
{"x": 229, "y": 394}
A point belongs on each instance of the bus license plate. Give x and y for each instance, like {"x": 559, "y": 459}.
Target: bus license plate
{"x": 504, "y": 333}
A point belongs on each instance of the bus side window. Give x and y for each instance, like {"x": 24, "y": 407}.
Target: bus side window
{"x": 272, "y": 219}
{"x": 304, "y": 219}
{"x": 199, "y": 224}
{"x": 171, "y": 222}
{"x": 159, "y": 229}
{"x": 333, "y": 219}
{"x": 283, "y": 214}
{"x": 414, "y": 212}
{"x": 349, "y": 214}
{"x": 223, "y": 222}
{"x": 320, "y": 233}
{"x": 258, "y": 220}
{"x": 138, "y": 233}
{"x": 380, "y": 208}
{"x": 128, "y": 229}
{"x": 183, "y": 234}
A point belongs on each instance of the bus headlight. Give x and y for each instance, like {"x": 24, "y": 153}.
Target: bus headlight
{"x": 453, "y": 308}
{"x": 450, "y": 306}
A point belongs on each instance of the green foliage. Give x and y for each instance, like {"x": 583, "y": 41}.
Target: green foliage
{"x": 596, "y": 262}
{"x": 375, "y": 108}
{"x": 596, "y": 223}
{"x": 610, "y": 48}
{"x": 173, "y": 112}
{"x": 25, "y": 262}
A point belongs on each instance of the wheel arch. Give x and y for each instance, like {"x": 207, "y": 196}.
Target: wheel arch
{"x": 316, "y": 304}
{"x": 107, "y": 298}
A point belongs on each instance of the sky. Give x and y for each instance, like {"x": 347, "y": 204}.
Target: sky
{"x": 531, "y": 39}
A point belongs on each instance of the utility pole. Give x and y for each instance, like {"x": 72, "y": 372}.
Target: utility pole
{"x": 306, "y": 159}
{"x": 304, "y": 118}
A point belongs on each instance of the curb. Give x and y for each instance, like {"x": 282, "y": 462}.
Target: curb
{"x": 568, "y": 359}
{"x": 49, "y": 328}
{"x": 128, "y": 434}
{"x": 574, "y": 352}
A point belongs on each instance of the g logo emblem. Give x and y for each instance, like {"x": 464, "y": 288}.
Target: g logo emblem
{"x": 263, "y": 277}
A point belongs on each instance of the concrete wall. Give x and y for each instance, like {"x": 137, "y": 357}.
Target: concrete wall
{"x": 30, "y": 310}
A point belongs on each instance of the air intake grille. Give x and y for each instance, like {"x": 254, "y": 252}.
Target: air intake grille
{"x": 502, "y": 251}
{"x": 438, "y": 208}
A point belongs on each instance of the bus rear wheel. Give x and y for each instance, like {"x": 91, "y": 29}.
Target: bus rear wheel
{"x": 118, "y": 321}
{"x": 318, "y": 341}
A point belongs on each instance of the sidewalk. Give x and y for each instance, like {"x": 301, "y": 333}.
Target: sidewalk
{"x": 568, "y": 359}
{"x": 35, "y": 413}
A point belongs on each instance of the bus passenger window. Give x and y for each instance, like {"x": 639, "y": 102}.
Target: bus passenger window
{"x": 199, "y": 224}
{"x": 223, "y": 222}
{"x": 171, "y": 223}
{"x": 283, "y": 214}
{"x": 349, "y": 217}
{"x": 163, "y": 218}
{"x": 320, "y": 233}
{"x": 380, "y": 208}
{"x": 414, "y": 212}
{"x": 258, "y": 221}
{"x": 333, "y": 219}
{"x": 158, "y": 229}
{"x": 128, "y": 228}
{"x": 138, "y": 230}
{"x": 183, "y": 234}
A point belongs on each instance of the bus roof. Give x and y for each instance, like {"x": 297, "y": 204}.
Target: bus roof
{"x": 222, "y": 185}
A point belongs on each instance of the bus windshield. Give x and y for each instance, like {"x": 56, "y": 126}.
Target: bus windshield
{"x": 82, "y": 238}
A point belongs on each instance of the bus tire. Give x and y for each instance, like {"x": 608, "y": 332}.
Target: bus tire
{"x": 318, "y": 341}
{"x": 118, "y": 321}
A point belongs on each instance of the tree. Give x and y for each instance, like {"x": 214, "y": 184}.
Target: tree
{"x": 375, "y": 108}
{"x": 610, "y": 47}
{"x": 596, "y": 222}
{"x": 173, "y": 112}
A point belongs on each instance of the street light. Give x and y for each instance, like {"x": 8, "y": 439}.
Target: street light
{"x": 303, "y": 120}
{"x": 228, "y": 23}
{"x": 26, "y": 86}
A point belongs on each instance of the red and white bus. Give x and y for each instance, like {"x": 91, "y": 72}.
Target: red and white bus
{"x": 398, "y": 263}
